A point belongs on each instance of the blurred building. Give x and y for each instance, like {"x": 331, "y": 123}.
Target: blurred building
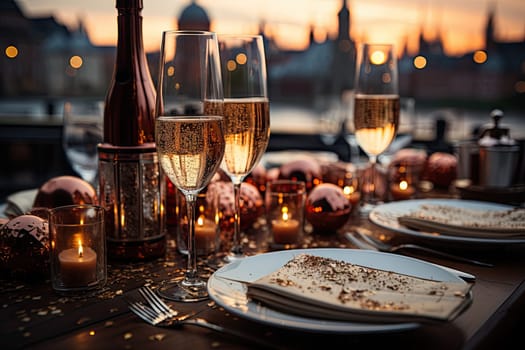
{"x": 45, "y": 58}
{"x": 193, "y": 17}
{"x": 492, "y": 74}
{"x": 322, "y": 71}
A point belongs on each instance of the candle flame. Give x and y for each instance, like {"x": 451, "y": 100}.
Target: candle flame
{"x": 284, "y": 210}
{"x": 200, "y": 221}
{"x": 403, "y": 185}
{"x": 80, "y": 249}
{"x": 348, "y": 190}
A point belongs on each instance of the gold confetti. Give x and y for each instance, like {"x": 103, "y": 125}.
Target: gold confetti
{"x": 157, "y": 337}
{"x": 128, "y": 336}
{"x": 83, "y": 320}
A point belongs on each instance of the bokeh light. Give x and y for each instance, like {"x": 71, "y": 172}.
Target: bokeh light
{"x": 11, "y": 51}
{"x": 377, "y": 57}
{"x": 231, "y": 65}
{"x": 241, "y": 58}
{"x": 420, "y": 62}
{"x": 76, "y": 62}
{"x": 480, "y": 57}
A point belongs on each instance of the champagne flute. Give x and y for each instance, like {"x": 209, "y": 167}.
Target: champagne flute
{"x": 82, "y": 132}
{"x": 189, "y": 133}
{"x": 376, "y": 110}
{"x": 246, "y": 116}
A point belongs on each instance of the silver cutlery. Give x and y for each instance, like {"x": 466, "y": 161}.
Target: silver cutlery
{"x": 160, "y": 314}
{"x": 361, "y": 244}
{"x": 385, "y": 247}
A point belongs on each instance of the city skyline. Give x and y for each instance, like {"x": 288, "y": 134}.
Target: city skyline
{"x": 459, "y": 23}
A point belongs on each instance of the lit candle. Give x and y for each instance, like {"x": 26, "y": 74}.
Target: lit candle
{"x": 78, "y": 266}
{"x": 205, "y": 234}
{"x": 353, "y": 196}
{"x": 402, "y": 190}
{"x": 285, "y": 230}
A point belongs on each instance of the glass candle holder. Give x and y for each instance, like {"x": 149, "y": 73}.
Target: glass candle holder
{"x": 402, "y": 182}
{"x": 345, "y": 176}
{"x": 284, "y": 201}
{"x": 207, "y": 228}
{"x": 78, "y": 248}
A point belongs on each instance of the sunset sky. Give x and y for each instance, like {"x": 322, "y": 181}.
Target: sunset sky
{"x": 460, "y": 22}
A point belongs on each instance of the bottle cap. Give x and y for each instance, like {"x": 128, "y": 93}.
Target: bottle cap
{"x": 126, "y": 4}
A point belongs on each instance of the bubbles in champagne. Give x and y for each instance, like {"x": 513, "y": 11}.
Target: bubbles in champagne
{"x": 246, "y": 132}
{"x": 190, "y": 149}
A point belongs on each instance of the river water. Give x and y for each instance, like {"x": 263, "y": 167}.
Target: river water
{"x": 417, "y": 121}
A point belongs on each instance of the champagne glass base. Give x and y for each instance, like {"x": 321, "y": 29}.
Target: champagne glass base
{"x": 183, "y": 290}
{"x": 232, "y": 257}
{"x": 216, "y": 261}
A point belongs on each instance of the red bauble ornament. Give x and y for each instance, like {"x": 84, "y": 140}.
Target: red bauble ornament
{"x": 327, "y": 208}
{"x": 24, "y": 247}
{"x": 65, "y": 190}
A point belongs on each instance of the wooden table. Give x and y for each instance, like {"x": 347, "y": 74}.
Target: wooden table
{"x": 33, "y": 316}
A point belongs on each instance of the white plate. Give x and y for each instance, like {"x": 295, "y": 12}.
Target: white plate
{"x": 386, "y": 215}
{"x": 227, "y": 289}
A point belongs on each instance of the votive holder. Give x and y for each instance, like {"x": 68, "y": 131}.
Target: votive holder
{"x": 402, "y": 182}
{"x": 284, "y": 202}
{"x": 345, "y": 176}
{"x": 78, "y": 248}
{"x": 207, "y": 228}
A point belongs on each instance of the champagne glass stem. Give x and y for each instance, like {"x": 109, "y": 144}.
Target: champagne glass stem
{"x": 191, "y": 271}
{"x": 237, "y": 246}
{"x": 371, "y": 179}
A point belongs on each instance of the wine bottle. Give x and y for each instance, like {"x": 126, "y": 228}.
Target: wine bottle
{"x": 131, "y": 189}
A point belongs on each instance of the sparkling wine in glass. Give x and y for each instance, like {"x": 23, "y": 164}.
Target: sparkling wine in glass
{"x": 82, "y": 132}
{"x": 376, "y": 110}
{"x": 246, "y": 115}
{"x": 189, "y": 133}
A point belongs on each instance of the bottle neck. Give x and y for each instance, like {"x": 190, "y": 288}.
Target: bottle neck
{"x": 129, "y": 109}
{"x": 130, "y": 45}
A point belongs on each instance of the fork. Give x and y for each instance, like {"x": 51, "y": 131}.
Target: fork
{"x": 162, "y": 315}
{"x": 385, "y": 247}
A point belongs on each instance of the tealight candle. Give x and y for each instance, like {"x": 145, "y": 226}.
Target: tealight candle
{"x": 205, "y": 234}
{"x": 78, "y": 266}
{"x": 285, "y": 230}
{"x": 402, "y": 190}
{"x": 353, "y": 196}
{"x": 284, "y": 202}
{"x": 78, "y": 249}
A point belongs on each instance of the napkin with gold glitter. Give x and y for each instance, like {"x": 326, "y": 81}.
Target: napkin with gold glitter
{"x": 325, "y": 288}
{"x": 450, "y": 220}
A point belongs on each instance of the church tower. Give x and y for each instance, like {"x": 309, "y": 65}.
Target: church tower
{"x": 343, "y": 17}
{"x": 193, "y": 17}
{"x": 490, "y": 38}
{"x": 344, "y": 54}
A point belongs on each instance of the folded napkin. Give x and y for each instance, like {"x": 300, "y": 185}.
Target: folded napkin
{"x": 20, "y": 203}
{"x": 452, "y": 220}
{"x": 325, "y": 288}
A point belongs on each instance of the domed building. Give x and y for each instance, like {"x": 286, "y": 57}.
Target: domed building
{"x": 193, "y": 17}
